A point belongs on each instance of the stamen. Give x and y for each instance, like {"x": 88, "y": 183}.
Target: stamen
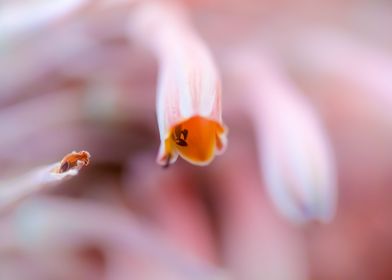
{"x": 176, "y": 136}
{"x": 73, "y": 160}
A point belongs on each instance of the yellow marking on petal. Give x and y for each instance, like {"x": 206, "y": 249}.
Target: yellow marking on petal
{"x": 196, "y": 139}
{"x": 168, "y": 155}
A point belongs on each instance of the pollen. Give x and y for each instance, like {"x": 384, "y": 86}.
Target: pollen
{"x": 73, "y": 160}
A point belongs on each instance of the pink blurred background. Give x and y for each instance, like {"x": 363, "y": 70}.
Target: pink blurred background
{"x": 71, "y": 78}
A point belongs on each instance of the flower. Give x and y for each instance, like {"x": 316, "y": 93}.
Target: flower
{"x": 189, "y": 92}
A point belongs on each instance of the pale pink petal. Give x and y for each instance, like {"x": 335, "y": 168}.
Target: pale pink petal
{"x": 296, "y": 157}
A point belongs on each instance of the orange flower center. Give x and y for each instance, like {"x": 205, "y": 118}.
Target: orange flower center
{"x": 195, "y": 139}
